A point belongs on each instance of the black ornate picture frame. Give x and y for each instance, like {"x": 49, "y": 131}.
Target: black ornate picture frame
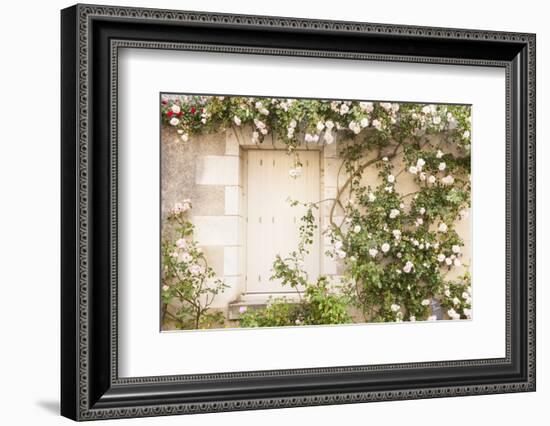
{"x": 90, "y": 38}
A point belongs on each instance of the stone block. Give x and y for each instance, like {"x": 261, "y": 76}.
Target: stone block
{"x": 231, "y": 143}
{"x": 231, "y": 261}
{"x": 216, "y": 230}
{"x": 232, "y": 200}
{"x": 217, "y": 170}
{"x": 215, "y": 258}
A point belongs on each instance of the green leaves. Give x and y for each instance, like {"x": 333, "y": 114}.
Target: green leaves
{"x": 319, "y": 306}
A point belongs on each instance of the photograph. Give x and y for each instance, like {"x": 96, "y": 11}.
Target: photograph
{"x": 287, "y": 212}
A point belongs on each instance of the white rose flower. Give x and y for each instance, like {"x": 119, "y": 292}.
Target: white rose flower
{"x": 344, "y": 109}
{"x": 389, "y": 189}
{"x": 422, "y": 176}
{"x": 419, "y": 221}
{"x": 320, "y": 126}
{"x": 237, "y": 120}
{"x": 385, "y": 159}
{"x": 394, "y": 307}
{"x": 373, "y": 252}
{"x": 372, "y": 197}
{"x": 174, "y": 121}
{"x": 396, "y": 234}
{"x": 456, "y": 301}
{"x": 455, "y": 248}
{"x": 296, "y": 172}
{"x": 408, "y": 267}
{"x": 357, "y": 229}
{"x": 176, "y": 109}
{"x": 439, "y": 154}
{"x": 354, "y": 127}
{"x": 165, "y": 287}
{"x": 329, "y": 124}
{"x": 465, "y": 295}
{"x": 328, "y": 138}
{"x": 440, "y": 257}
{"x": 448, "y": 261}
{"x": 385, "y": 247}
{"x": 338, "y": 245}
{"x": 412, "y": 318}
{"x": 293, "y": 123}
{"x": 442, "y": 166}
{"x": 431, "y": 179}
{"x": 366, "y": 106}
{"x": 259, "y": 124}
{"x": 448, "y": 180}
{"x": 391, "y": 178}
{"x": 341, "y": 254}
{"x": 420, "y": 163}
{"x": 437, "y": 119}
{"x": 453, "y": 314}
{"x": 364, "y": 122}
{"x": 394, "y": 213}
{"x": 425, "y": 302}
{"x": 422, "y": 210}
{"x": 443, "y": 227}
{"x": 468, "y": 313}
{"x": 457, "y": 263}
{"x": 377, "y": 124}
{"x": 466, "y": 134}
{"x": 195, "y": 269}
{"x": 426, "y": 109}
{"x": 413, "y": 170}
{"x": 184, "y": 137}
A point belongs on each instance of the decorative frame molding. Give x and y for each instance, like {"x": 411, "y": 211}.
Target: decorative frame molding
{"x": 91, "y": 37}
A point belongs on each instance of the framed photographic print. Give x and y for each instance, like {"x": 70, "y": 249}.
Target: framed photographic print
{"x": 263, "y": 212}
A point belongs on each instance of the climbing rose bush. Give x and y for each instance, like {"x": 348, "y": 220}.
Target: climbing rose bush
{"x": 189, "y": 285}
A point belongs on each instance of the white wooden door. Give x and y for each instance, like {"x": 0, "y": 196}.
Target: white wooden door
{"x": 273, "y": 224}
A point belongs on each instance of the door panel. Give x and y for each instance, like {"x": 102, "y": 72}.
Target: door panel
{"x": 273, "y": 224}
